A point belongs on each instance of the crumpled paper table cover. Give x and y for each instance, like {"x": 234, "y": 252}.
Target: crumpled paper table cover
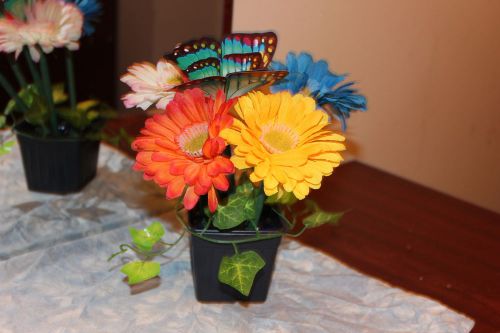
{"x": 116, "y": 197}
{"x": 55, "y": 277}
{"x": 72, "y": 288}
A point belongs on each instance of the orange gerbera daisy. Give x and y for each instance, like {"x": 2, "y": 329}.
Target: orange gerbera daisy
{"x": 182, "y": 148}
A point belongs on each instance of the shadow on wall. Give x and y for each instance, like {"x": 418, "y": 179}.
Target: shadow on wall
{"x": 148, "y": 30}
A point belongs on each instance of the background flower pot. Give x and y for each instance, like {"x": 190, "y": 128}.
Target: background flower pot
{"x": 206, "y": 257}
{"x": 57, "y": 165}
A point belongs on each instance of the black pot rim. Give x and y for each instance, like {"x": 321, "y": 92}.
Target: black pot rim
{"x": 20, "y": 132}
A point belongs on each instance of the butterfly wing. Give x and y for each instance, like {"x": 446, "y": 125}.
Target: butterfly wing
{"x": 263, "y": 43}
{"x": 189, "y": 53}
{"x": 209, "y": 85}
{"x": 232, "y": 63}
{"x": 203, "y": 68}
{"x": 240, "y": 83}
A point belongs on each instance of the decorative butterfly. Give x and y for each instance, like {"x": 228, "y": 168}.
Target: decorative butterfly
{"x": 237, "y": 65}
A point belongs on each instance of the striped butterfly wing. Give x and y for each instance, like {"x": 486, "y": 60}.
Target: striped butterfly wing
{"x": 209, "y": 85}
{"x": 203, "y": 69}
{"x": 240, "y": 83}
{"x": 263, "y": 43}
{"x": 192, "y": 52}
{"x": 233, "y": 63}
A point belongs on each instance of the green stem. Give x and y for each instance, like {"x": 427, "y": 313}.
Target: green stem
{"x": 178, "y": 209}
{"x": 34, "y": 72}
{"x": 123, "y": 248}
{"x": 176, "y": 241}
{"x": 259, "y": 203}
{"x": 17, "y": 71}
{"x": 70, "y": 73}
{"x": 48, "y": 90}
{"x": 304, "y": 228}
{"x": 283, "y": 217}
{"x": 235, "y": 247}
{"x": 13, "y": 94}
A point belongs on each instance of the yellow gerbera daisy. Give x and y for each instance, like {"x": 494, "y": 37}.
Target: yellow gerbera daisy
{"x": 285, "y": 140}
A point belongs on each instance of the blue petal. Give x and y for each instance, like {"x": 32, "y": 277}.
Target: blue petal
{"x": 304, "y": 60}
{"x": 91, "y": 10}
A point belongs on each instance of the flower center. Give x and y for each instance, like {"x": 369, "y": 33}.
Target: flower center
{"x": 278, "y": 138}
{"x": 191, "y": 140}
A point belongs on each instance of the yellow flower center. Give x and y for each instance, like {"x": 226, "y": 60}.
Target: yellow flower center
{"x": 278, "y": 138}
{"x": 192, "y": 139}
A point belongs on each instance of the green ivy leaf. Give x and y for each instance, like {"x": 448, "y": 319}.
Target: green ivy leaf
{"x": 239, "y": 270}
{"x": 233, "y": 213}
{"x": 240, "y": 207}
{"x": 138, "y": 271}
{"x": 245, "y": 188}
{"x": 3, "y": 120}
{"x": 145, "y": 239}
{"x": 249, "y": 209}
{"x": 319, "y": 217}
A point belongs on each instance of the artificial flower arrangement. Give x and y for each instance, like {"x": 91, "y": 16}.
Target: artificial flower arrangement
{"x": 46, "y": 117}
{"x": 234, "y": 157}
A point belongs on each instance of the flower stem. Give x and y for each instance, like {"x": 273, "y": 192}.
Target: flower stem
{"x": 34, "y": 72}
{"x": 17, "y": 72}
{"x": 48, "y": 90}
{"x": 259, "y": 204}
{"x": 235, "y": 247}
{"x": 70, "y": 74}
{"x": 13, "y": 94}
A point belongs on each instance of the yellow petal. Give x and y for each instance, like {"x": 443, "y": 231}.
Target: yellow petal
{"x": 262, "y": 169}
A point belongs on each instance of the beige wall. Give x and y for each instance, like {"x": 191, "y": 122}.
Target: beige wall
{"x": 148, "y": 30}
{"x": 430, "y": 70}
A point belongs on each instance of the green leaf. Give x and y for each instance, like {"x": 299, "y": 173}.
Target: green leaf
{"x": 38, "y": 112}
{"x": 249, "y": 209}
{"x": 319, "y": 217}
{"x": 145, "y": 239}
{"x": 6, "y": 147}
{"x": 240, "y": 207}
{"x": 87, "y": 105}
{"x": 58, "y": 94}
{"x": 239, "y": 270}
{"x": 138, "y": 271}
{"x": 245, "y": 188}
{"x": 26, "y": 95}
{"x": 3, "y": 120}
{"x": 285, "y": 198}
{"x": 233, "y": 213}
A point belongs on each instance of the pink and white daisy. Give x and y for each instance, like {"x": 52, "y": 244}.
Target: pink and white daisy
{"x": 49, "y": 24}
{"x": 151, "y": 84}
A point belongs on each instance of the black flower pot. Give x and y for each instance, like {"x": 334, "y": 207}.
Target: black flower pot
{"x": 206, "y": 257}
{"x": 57, "y": 165}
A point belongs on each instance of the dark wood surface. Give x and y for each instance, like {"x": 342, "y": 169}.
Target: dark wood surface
{"x": 414, "y": 238}
{"x": 407, "y": 235}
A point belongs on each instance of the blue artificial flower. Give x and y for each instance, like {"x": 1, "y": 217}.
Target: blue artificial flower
{"x": 91, "y": 10}
{"x": 314, "y": 79}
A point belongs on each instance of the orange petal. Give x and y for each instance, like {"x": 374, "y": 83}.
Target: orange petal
{"x": 221, "y": 183}
{"x": 200, "y": 189}
{"x": 191, "y": 173}
{"x": 212, "y": 200}
{"x": 190, "y": 198}
{"x": 220, "y": 165}
{"x": 203, "y": 178}
{"x": 178, "y": 166}
{"x": 163, "y": 177}
{"x": 175, "y": 188}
